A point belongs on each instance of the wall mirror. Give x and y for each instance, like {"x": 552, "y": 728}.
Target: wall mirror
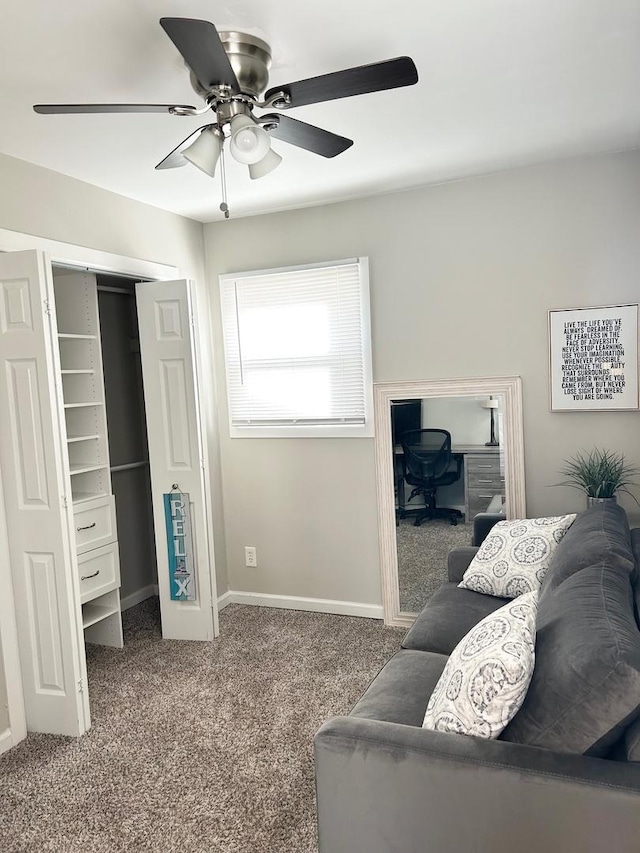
{"x": 445, "y": 451}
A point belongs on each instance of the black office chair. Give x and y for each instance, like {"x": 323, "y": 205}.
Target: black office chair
{"x": 427, "y": 461}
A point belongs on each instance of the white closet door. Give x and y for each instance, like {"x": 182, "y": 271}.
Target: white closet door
{"x": 176, "y": 454}
{"x": 35, "y": 494}
{"x": 13, "y": 723}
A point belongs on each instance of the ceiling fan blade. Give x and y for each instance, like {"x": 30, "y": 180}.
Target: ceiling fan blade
{"x": 202, "y": 50}
{"x": 307, "y": 136}
{"x": 390, "y": 74}
{"x": 175, "y": 158}
{"x": 53, "y": 109}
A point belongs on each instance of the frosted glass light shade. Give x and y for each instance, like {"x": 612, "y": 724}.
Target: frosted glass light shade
{"x": 268, "y": 163}
{"x": 249, "y": 142}
{"x": 205, "y": 151}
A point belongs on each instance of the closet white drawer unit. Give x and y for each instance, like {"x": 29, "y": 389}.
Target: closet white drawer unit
{"x": 94, "y": 523}
{"x": 99, "y": 571}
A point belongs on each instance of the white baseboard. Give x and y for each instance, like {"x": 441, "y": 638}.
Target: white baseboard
{"x": 224, "y": 600}
{"x": 138, "y": 596}
{"x": 292, "y": 602}
{"x": 6, "y": 741}
{"x": 286, "y": 602}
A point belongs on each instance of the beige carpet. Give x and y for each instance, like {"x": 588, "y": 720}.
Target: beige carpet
{"x": 422, "y": 558}
{"x": 194, "y": 749}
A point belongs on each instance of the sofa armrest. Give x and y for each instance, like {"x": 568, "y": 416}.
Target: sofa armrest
{"x": 458, "y": 560}
{"x": 384, "y": 787}
{"x": 482, "y": 524}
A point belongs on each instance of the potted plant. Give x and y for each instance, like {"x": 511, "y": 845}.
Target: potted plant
{"x": 599, "y": 474}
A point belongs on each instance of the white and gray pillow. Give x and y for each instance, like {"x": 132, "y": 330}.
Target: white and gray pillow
{"x": 515, "y": 556}
{"x": 485, "y": 680}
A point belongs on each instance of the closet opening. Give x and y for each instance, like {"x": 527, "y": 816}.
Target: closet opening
{"x": 85, "y": 482}
{"x": 106, "y": 436}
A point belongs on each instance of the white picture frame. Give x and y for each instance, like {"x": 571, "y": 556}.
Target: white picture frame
{"x": 593, "y": 359}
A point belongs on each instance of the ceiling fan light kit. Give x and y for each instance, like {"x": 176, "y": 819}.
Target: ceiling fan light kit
{"x": 230, "y": 71}
{"x": 204, "y": 153}
{"x": 249, "y": 141}
{"x": 269, "y": 162}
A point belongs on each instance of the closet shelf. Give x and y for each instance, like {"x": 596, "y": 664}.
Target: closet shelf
{"x": 72, "y": 439}
{"x": 77, "y": 372}
{"x": 85, "y": 467}
{"x": 81, "y": 497}
{"x": 92, "y": 613}
{"x": 83, "y": 405}
{"x": 68, "y": 337}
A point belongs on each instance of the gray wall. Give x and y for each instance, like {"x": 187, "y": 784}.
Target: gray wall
{"x": 462, "y": 278}
{"x": 38, "y": 201}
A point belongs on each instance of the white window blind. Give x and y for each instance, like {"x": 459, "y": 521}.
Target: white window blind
{"x": 297, "y": 346}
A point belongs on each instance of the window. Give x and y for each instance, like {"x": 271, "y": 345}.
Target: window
{"x": 297, "y": 349}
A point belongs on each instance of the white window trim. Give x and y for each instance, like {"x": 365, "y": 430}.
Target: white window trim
{"x": 366, "y": 430}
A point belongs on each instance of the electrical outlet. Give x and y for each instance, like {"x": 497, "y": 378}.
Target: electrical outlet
{"x": 250, "y": 556}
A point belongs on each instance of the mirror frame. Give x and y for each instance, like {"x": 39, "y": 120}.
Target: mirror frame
{"x": 510, "y": 389}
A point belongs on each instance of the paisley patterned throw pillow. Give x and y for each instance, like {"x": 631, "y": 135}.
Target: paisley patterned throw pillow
{"x": 515, "y": 556}
{"x": 487, "y": 675}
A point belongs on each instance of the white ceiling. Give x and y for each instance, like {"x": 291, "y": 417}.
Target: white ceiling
{"x": 503, "y": 83}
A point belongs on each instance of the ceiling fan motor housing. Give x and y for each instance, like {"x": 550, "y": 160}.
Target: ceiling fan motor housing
{"x": 250, "y": 58}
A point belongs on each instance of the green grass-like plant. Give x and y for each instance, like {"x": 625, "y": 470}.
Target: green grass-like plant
{"x": 600, "y": 473}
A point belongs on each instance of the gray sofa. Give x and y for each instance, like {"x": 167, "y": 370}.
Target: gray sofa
{"x": 565, "y": 774}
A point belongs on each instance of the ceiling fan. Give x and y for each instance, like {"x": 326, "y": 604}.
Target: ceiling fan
{"x": 230, "y": 71}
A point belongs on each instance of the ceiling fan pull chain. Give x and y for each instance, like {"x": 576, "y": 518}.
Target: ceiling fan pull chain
{"x": 224, "y": 207}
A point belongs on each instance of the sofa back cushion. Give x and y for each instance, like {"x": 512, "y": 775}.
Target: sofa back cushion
{"x": 635, "y": 545}
{"x": 631, "y": 744}
{"x": 598, "y": 536}
{"x": 585, "y": 688}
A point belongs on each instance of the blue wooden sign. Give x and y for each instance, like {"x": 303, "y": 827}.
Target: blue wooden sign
{"x": 182, "y": 579}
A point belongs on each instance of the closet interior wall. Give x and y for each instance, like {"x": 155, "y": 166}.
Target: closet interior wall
{"x": 127, "y": 430}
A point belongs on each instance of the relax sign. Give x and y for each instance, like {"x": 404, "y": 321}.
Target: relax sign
{"x": 177, "y": 513}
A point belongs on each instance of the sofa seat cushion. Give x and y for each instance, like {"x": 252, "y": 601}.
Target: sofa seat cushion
{"x": 585, "y": 687}
{"x": 600, "y": 535}
{"x": 447, "y": 617}
{"x": 401, "y": 690}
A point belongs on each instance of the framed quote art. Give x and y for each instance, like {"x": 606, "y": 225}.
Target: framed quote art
{"x": 593, "y": 358}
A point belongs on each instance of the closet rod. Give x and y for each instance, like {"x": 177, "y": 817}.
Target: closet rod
{"x": 116, "y": 290}
{"x": 128, "y": 466}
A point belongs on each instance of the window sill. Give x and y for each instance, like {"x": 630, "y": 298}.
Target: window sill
{"x": 304, "y": 431}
